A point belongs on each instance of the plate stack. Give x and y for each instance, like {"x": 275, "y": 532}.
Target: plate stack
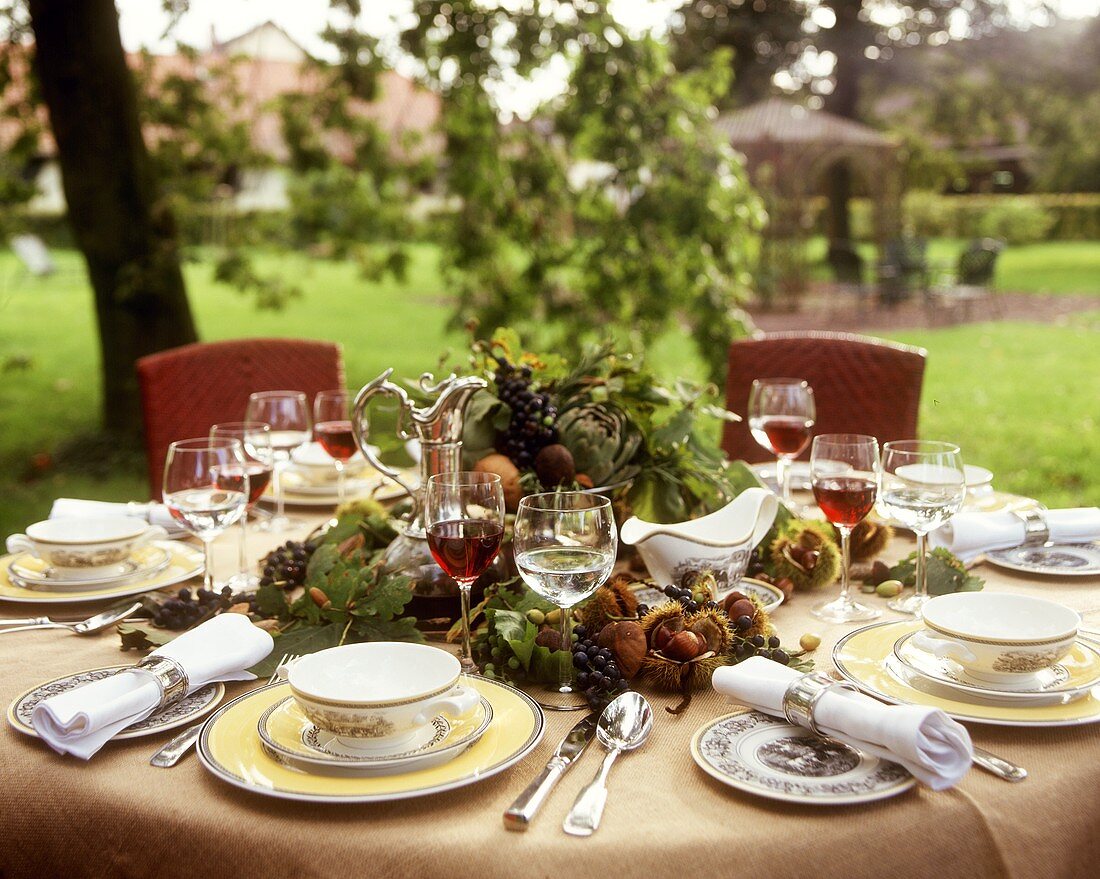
{"x": 310, "y": 479}
{"x": 367, "y": 723}
{"x": 1010, "y": 660}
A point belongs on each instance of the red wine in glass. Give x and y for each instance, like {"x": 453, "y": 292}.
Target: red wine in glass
{"x": 464, "y": 548}
{"x": 337, "y": 438}
{"x": 259, "y": 475}
{"x": 845, "y": 500}
{"x": 782, "y": 434}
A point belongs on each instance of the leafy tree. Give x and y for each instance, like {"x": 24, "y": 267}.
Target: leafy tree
{"x": 614, "y": 206}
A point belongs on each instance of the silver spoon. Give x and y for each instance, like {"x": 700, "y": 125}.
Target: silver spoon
{"x": 624, "y": 725}
{"x": 95, "y": 623}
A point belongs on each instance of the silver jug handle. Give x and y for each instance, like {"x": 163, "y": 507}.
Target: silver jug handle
{"x": 381, "y": 385}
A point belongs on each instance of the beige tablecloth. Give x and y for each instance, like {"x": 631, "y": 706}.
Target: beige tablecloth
{"x": 118, "y": 816}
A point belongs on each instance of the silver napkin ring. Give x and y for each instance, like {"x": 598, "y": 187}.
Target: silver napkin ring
{"x": 802, "y": 696}
{"x": 169, "y": 675}
{"x": 1036, "y": 532}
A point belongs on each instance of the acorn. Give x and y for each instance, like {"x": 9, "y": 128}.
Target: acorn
{"x": 319, "y": 598}
{"x": 554, "y": 466}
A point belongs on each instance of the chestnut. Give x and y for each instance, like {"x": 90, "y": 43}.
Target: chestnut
{"x": 684, "y": 646}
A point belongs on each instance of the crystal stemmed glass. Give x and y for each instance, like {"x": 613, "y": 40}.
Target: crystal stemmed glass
{"x": 288, "y": 414}
{"x": 922, "y": 486}
{"x": 259, "y": 461}
{"x": 844, "y": 475}
{"x": 332, "y": 429}
{"x": 206, "y": 489}
{"x": 781, "y": 417}
{"x": 565, "y": 545}
{"x": 464, "y": 517}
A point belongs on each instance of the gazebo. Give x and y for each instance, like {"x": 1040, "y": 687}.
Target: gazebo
{"x": 791, "y": 150}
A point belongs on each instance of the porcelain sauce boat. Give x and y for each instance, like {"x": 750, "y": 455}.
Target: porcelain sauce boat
{"x": 720, "y": 542}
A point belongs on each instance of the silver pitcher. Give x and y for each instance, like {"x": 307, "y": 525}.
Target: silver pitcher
{"x": 437, "y": 427}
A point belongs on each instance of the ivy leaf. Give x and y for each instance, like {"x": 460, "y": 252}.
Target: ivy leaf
{"x": 271, "y": 602}
{"x": 143, "y": 636}
{"x": 323, "y": 560}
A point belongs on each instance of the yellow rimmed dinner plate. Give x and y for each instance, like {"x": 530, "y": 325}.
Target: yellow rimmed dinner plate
{"x": 186, "y": 562}
{"x": 231, "y": 749}
{"x": 866, "y": 658}
{"x": 187, "y": 710}
{"x": 291, "y": 738}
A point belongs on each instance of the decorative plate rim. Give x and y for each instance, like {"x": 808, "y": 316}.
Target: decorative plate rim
{"x": 149, "y": 570}
{"x": 351, "y": 763}
{"x": 24, "y": 729}
{"x": 842, "y": 800}
{"x": 995, "y": 557}
{"x": 1016, "y": 695}
{"x": 226, "y": 775}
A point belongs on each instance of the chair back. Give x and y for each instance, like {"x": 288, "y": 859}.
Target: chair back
{"x": 978, "y": 262}
{"x": 187, "y": 390}
{"x": 861, "y": 385}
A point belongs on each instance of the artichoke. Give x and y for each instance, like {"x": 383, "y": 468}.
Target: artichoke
{"x": 602, "y": 440}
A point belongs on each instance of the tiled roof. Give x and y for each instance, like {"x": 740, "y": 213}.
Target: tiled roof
{"x": 778, "y": 120}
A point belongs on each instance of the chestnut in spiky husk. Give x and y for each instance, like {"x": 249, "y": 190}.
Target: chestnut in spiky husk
{"x": 806, "y": 554}
{"x": 867, "y": 540}
{"x": 684, "y": 650}
{"x": 613, "y": 601}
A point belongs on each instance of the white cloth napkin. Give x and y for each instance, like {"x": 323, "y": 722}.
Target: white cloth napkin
{"x": 83, "y": 720}
{"x": 968, "y": 535}
{"x": 925, "y": 741}
{"x": 152, "y": 512}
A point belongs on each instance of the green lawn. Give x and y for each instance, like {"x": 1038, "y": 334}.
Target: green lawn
{"x": 1056, "y": 267}
{"x": 1022, "y": 399}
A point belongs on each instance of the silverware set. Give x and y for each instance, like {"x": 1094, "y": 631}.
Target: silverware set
{"x": 180, "y": 745}
{"x": 94, "y": 624}
{"x": 624, "y": 725}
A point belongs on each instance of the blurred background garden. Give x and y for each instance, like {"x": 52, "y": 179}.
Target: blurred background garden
{"x": 397, "y": 175}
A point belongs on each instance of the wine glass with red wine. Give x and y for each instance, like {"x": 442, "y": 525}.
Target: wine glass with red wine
{"x": 844, "y": 475}
{"x": 464, "y": 516}
{"x": 781, "y": 418}
{"x": 332, "y": 429}
{"x": 259, "y": 461}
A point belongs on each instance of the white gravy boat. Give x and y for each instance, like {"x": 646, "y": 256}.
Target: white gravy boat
{"x": 721, "y": 541}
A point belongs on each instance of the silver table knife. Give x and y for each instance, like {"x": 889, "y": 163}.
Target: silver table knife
{"x": 518, "y": 815}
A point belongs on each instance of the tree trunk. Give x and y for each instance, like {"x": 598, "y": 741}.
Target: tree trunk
{"x": 124, "y": 229}
{"x": 846, "y": 39}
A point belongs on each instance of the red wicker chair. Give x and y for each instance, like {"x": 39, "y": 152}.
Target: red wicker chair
{"x": 186, "y": 390}
{"x": 861, "y": 384}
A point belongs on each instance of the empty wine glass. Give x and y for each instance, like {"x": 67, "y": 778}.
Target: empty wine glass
{"x": 259, "y": 460}
{"x": 332, "y": 429}
{"x": 565, "y": 545}
{"x": 206, "y": 490}
{"x": 288, "y": 414}
{"x": 922, "y": 486}
{"x": 844, "y": 476}
{"x": 464, "y": 515}
{"x": 781, "y": 417}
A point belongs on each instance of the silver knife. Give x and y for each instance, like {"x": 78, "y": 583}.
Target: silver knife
{"x": 519, "y": 815}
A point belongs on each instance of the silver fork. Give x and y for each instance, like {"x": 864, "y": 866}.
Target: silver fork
{"x": 175, "y": 750}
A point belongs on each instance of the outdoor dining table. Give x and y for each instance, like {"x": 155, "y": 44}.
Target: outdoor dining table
{"x": 116, "y": 815}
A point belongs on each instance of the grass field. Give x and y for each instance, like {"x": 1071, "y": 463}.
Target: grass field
{"x": 1022, "y": 399}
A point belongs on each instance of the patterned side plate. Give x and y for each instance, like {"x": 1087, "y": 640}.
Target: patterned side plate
{"x": 1053, "y": 559}
{"x": 771, "y": 758}
{"x": 289, "y": 736}
{"x": 30, "y": 573}
{"x": 187, "y": 710}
